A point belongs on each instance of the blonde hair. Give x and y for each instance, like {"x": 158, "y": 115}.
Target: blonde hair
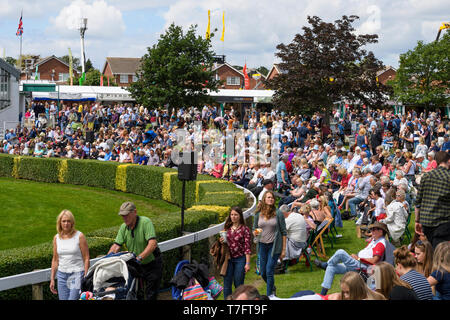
{"x": 441, "y": 257}
{"x": 389, "y": 279}
{"x": 59, "y": 219}
{"x": 358, "y": 289}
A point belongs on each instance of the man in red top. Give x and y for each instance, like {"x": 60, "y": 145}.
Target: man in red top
{"x": 342, "y": 262}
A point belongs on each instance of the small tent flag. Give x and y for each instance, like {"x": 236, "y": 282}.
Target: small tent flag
{"x": 208, "y": 29}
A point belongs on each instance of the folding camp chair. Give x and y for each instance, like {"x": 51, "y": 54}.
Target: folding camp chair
{"x": 318, "y": 241}
{"x": 407, "y": 232}
{"x": 310, "y": 248}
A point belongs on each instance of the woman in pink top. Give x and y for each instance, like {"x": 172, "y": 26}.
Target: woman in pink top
{"x": 238, "y": 240}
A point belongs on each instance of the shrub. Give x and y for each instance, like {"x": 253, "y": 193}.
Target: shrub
{"x": 44, "y": 170}
{"x": 6, "y": 165}
{"x": 92, "y": 173}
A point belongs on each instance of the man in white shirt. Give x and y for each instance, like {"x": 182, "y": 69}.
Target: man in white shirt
{"x": 297, "y": 236}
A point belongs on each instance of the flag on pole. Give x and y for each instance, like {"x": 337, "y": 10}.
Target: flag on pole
{"x": 36, "y": 73}
{"x": 19, "y": 31}
{"x": 208, "y": 29}
{"x": 101, "y": 80}
{"x": 246, "y": 78}
{"x": 223, "y": 27}
{"x": 108, "y": 80}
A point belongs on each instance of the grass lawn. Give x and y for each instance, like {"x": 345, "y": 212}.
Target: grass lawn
{"x": 299, "y": 277}
{"x": 29, "y": 209}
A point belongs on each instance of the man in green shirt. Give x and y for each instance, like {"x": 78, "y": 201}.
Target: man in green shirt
{"x": 137, "y": 233}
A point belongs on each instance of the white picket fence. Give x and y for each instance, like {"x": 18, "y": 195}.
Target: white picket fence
{"x": 41, "y": 276}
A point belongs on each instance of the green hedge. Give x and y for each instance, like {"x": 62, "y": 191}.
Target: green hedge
{"x": 37, "y": 169}
{"x": 91, "y": 173}
{"x": 6, "y": 165}
{"x": 141, "y": 180}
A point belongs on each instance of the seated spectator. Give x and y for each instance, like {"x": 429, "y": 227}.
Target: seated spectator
{"x": 353, "y": 287}
{"x": 406, "y": 265}
{"x": 396, "y": 217}
{"x": 432, "y": 164}
{"x": 342, "y": 262}
{"x": 423, "y": 251}
{"x": 440, "y": 276}
{"x": 362, "y": 191}
{"x": 389, "y": 284}
{"x": 267, "y": 186}
{"x": 296, "y": 239}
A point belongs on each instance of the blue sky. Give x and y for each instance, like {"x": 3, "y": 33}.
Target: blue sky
{"x": 253, "y": 28}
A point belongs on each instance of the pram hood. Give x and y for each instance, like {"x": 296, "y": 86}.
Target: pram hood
{"x": 110, "y": 267}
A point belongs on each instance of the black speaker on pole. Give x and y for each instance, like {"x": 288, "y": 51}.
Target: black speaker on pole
{"x": 187, "y": 169}
{"x": 90, "y": 136}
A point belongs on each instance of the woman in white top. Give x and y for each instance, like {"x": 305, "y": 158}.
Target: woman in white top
{"x": 70, "y": 258}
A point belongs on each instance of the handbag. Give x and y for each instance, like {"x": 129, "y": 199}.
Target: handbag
{"x": 194, "y": 292}
{"x": 214, "y": 287}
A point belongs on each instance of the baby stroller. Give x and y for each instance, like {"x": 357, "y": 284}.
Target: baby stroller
{"x": 114, "y": 277}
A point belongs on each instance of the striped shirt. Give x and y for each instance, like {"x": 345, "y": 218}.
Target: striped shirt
{"x": 433, "y": 197}
{"x": 419, "y": 284}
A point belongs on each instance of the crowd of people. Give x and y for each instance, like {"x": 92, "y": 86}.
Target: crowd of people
{"x": 373, "y": 167}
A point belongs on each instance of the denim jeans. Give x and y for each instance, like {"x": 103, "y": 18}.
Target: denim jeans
{"x": 340, "y": 263}
{"x": 236, "y": 272}
{"x": 352, "y": 203}
{"x": 69, "y": 285}
{"x": 267, "y": 264}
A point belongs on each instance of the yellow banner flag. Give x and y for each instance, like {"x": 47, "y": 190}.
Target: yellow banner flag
{"x": 223, "y": 28}
{"x": 208, "y": 29}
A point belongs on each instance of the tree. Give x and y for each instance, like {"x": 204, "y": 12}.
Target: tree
{"x": 263, "y": 70}
{"x": 423, "y": 77}
{"x": 176, "y": 71}
{"x": 75, "y": 61}
{"x": 326, "y": 64}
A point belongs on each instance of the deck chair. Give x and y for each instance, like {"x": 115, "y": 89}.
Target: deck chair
{"x": 318, "y": 241}
{"x": 388, "y": 256}
{"x": 310, "y": 248}
{"x": 407, "y": 232}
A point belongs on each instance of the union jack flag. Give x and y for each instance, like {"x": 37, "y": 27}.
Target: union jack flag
{"x": 20, "y": 28}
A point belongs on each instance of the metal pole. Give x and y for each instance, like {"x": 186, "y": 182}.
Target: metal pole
{"x": 183, "y": 192}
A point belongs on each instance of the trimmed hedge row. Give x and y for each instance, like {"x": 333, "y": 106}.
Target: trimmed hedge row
{"x": 208, "y": 200}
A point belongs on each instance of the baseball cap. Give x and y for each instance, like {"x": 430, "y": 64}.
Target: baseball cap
{"x": 126, "y": 208}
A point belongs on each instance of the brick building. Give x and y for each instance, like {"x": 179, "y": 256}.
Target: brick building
{"x": 50, "y": 68}
{"x": 388, "y": 73}
{"x": 122, "y": 70}
{"x": 234, "y": 79}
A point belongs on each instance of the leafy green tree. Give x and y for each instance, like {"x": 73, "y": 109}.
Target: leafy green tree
{"x": 423, "y": 77}
{"x": 176, "y": 71}
{"x": 325, "y": 64}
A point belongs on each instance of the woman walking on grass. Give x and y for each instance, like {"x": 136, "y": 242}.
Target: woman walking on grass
{"x": 272, "y": 238}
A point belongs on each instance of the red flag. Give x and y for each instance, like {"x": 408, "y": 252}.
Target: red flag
{"x": 19, "y": 31}
{"x": 246, "y": 78}
{"x": 101, "y": 80}
{"x": 108, "y": 81}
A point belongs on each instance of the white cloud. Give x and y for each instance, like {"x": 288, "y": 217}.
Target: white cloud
{"x": 104, "y": 21}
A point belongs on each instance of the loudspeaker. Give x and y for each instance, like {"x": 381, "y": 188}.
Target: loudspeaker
{"x": 90, "y": 136}
{"x": 187, "y": 169}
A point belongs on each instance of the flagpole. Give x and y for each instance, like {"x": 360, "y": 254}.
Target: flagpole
{"x": 20, "y": 50}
